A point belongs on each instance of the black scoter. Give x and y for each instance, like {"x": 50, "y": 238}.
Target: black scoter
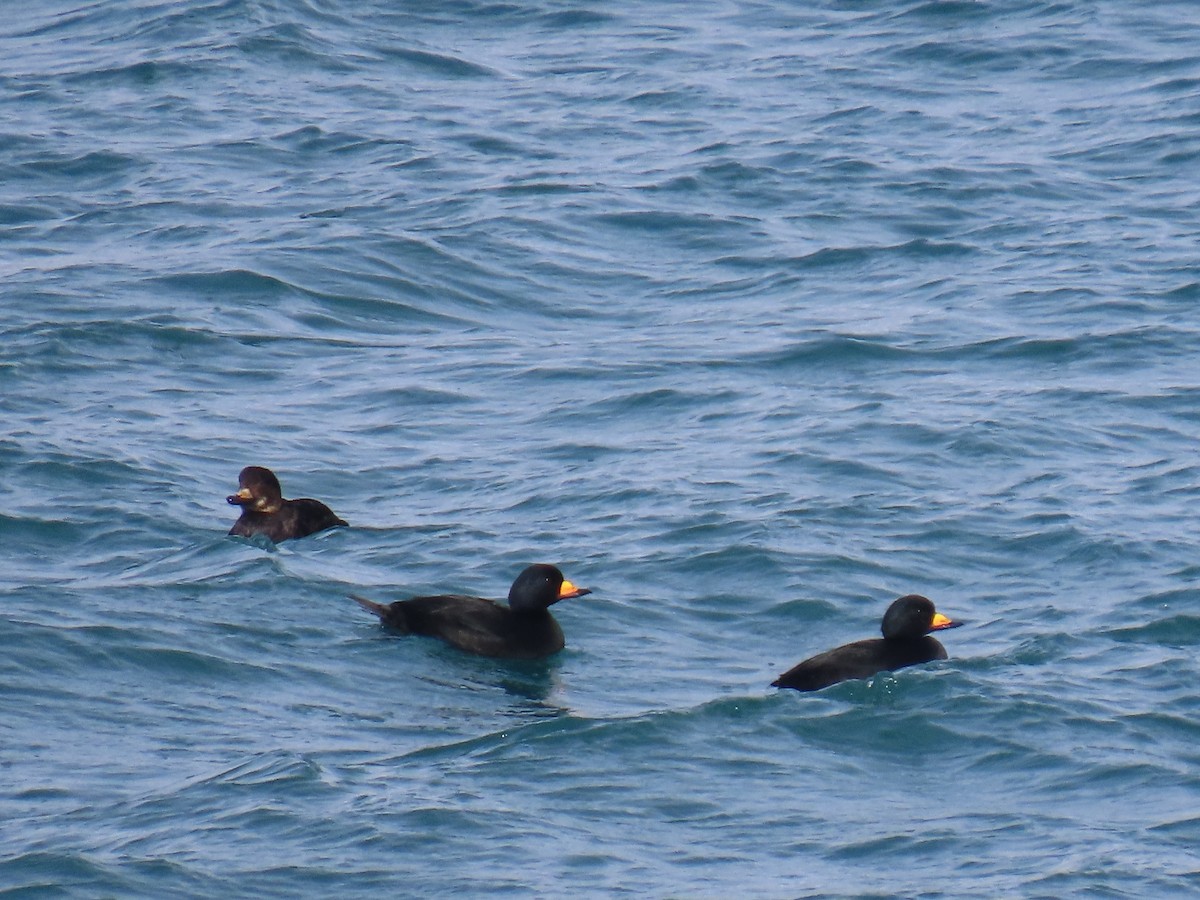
{"x": 522, "y": 630}
{"x": 265, "y": 512}
{"x": 905, "y": 642}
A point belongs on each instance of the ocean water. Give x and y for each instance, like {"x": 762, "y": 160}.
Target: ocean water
{"x": 751, "y": 316}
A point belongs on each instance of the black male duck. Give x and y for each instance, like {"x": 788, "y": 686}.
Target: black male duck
{"x": 905, "y": 642}
{"x": 522, "y": 630}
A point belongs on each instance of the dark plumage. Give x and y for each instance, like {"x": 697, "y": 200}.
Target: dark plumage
{"x": 905, "y": 642}
{"x": 522, "y": 630}
{"x": 265, "y": 512}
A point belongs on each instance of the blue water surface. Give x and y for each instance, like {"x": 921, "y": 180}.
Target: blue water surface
{"x": 751, "y": 316}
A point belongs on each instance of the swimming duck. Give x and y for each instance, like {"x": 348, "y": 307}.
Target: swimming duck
{"x": 905, "y": 642}
{"x": 522, "y": 630}
{"x": 265, "y": 512}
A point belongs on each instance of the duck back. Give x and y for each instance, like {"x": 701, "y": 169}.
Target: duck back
{"x": 295, "y": 519}
{"x": 477, "y": 626}
{"x": 862, "y": 659}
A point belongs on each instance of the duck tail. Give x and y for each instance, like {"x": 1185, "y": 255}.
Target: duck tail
{"x": 370, "y": 605}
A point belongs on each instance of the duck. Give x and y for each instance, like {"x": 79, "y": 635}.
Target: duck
{"x": 265, "y": 512}
{"x": 524, "y": 629}
{"x": 905, "y": 642}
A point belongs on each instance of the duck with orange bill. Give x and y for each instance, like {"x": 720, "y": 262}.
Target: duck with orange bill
{"x": 905, "y": 642}
{"x": 524, "y": 629}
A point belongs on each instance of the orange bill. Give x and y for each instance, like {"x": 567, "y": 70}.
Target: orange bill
{"x": 568, "y": 590}
{"x": 940, "y": 623}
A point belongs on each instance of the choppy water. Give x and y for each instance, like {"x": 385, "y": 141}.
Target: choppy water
{"x": 751, "y": 316}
